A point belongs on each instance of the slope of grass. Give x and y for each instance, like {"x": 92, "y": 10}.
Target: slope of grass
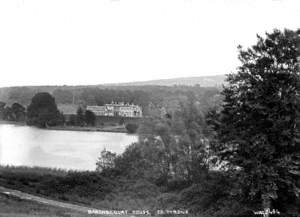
{"x": 77, "y": 187}
{"x": 82, "y": 188}
{"x": 14, "y": 207}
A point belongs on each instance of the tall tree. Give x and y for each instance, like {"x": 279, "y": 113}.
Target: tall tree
{"x": 43, "y": 112}
{"x": 258, "y": 128}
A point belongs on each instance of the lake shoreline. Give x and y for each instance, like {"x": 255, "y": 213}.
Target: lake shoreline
{"x": 88, "y": 129}
{"x": 13, "y": 123}
{"x": 112, "y": 129}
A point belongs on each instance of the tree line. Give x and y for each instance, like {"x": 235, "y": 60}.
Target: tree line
{"x": 43, "y": 112}
{"x": 99, "y": 95}
{"x": 15, "y": 112}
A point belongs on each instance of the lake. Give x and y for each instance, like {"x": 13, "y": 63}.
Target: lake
{"x": 76, "y": 150}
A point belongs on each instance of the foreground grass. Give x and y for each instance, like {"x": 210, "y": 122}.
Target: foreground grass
{"x": 69, "y": 186}
{"x": 92, "y": 189}
{"x": 82, "y": 188}
{"x": 14, "y": 207}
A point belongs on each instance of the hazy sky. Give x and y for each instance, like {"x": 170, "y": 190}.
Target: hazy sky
{"x": 106, "y": 41}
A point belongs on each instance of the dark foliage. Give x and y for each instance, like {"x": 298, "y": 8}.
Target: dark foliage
{"x": 43, "y": 112}
{"x": 2, "y": 107}
{"x": 258, "y": 129}
{"x": 90, "y": 118}
{"x": 81, "y": 187}
{"x": 131, "y": 127}
{"x": 212, "y": 196}
{"x": 80, "y": 117}
{"x": 14, "y": 113}
{"x": 18, "y": 112}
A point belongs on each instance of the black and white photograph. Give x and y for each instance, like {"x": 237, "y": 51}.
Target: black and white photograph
{"x": 149, "y": 108}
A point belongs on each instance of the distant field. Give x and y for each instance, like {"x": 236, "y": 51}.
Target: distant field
{"x": 14, "y": 207}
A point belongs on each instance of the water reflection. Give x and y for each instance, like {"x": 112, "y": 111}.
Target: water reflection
{"x": 28, "y": 146}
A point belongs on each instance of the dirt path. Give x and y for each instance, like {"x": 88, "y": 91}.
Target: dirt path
{"x": 54, "y": 203}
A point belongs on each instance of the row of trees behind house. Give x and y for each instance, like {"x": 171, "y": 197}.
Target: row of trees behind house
{"x": 42, "y": 112}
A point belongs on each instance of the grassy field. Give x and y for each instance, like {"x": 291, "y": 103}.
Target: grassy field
{"x": 14, "y": 207}
{"x": 82, "y": 188}
{"x": 92, "y": 189}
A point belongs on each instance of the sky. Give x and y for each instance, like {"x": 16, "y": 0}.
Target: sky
{"x": 72, "y": 42}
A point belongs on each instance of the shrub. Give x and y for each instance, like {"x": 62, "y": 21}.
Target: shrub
{"x": 131, "y": 127}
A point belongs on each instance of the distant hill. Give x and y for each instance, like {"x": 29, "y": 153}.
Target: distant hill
{"x": 204, "y": 81}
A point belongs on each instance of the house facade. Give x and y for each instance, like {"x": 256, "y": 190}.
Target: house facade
{"x": 117, "y": 110}
{"x": 97, "y": 110}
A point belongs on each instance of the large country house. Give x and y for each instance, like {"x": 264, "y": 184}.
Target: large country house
{"x": 113, "y": 109}
{"x": 117, "y": 110}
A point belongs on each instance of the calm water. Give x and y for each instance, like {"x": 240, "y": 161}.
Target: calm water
{"x": 28, "y": 146}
